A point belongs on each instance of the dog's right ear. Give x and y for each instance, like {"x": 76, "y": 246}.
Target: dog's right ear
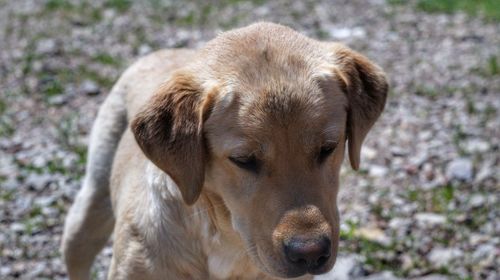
{"x": 169, "y": 132}
{"x": 365, "y": 85}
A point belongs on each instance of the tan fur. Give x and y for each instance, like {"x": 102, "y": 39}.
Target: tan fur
{"x": 182, "y": 209}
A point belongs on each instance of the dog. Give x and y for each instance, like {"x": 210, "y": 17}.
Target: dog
{"x": 223, "y": 162}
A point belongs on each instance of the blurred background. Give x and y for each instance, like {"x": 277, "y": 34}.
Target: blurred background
{"x": 426, "y": 202}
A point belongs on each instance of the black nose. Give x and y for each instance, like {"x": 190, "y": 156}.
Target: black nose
{"x": 309, "y": 253}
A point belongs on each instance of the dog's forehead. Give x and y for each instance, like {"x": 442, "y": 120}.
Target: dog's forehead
{"x": 303, "y": 116}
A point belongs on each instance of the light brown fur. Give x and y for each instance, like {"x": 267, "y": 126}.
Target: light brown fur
{"x": 224, "y": 160}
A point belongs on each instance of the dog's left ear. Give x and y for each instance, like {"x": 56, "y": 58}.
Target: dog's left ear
{"x": 169, "y": 131}
{"x": 366, "y": 87}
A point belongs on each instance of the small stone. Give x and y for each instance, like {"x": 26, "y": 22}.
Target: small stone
{"x": 460, "y": 169}
{"x": 345, "y": 268}
{"x": 397, "y": 223}
{"x": 477, "y": 200}
{"x": 38, "y": 181}
{"x": 46, "y": 46}
{"x": 59, "y": 99}
{"x": 443, "y": 256}
{"x": 398, "y": 151}
{"x": 17, "y": 227}
{"x": 144, "y": 49}
{"x": 419, "y": 159}
{"x": 477, "y": 146}
{"x": 384, "y": 275}
{"x": 378, "y": 171}
{"x": 484, "y": 251}
{"x": 345, "y": 33}
{"x": 430, "y": 218}
{"x": 368, "y": 153}
{"x": 374, "y": 234}
{"x": 5, "y": 270}
{"x": 89, "y": 87}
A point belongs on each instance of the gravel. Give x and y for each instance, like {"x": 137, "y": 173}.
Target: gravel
{"x": 425, "y": 204}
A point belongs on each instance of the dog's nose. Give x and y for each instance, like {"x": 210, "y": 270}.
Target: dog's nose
{"x": 309, "y": 253}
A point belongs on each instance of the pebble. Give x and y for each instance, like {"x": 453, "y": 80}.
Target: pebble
{"x": 430, "y": 219}
{"x": 484, "y": 251}
{"x": 378, "y": 171}
{"x": 477, "y": 146}
{"x": 38, "y": 181}
{"x": 460, "y": 169}
{"x": 89, "y": 87}
{"x": 477, "y": 200}
{"x": 439, "y": 257}
{"x": 374, "y": 234}
{"x": 345, "y": 268}
{"x": 46, "y": 46}
{"x": 399, "y": 152}
{"x": 58, "y": 100}
{"x": 384, "y": 275}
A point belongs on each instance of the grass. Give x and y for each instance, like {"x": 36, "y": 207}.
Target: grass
{"x": 106, "y": 59}
{"x": 3, "y": 107}
{"x": 490, "y": 9}
{"x": 53, "y": 5}
{"x": 51, "y": 85}
{"x": 119, "y": 5}
{"x": 427, "y": 92}
{"x": 493, "y": 67}
{"x": 6, "y": 129}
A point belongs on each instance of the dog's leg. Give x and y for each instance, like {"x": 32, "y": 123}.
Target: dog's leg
{"x": 90, "y": 220}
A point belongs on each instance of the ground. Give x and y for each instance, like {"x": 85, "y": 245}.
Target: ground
{"x": 426, "y": 202}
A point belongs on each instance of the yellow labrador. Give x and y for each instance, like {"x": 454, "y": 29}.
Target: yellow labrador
{"x": 223, "y": 162}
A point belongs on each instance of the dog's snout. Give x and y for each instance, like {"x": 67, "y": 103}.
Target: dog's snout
{"x": 309, "y": 253}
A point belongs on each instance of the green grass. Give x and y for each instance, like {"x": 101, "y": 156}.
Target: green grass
{"x": 6, "y": 129}
{"x": 106, "y": 59}
{"x": 119, "y": 5}
{"x": 490, "y": 9}
{"x": 493, "y": 67}
{"x": 53, "y": 5}
{"x": 51, "y": 86}
{"x": 3, "y": 107}
{"x": 426, "y": 92}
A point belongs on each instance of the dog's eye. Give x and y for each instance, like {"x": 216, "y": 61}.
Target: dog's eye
{"x": 326, "y": 151}
{"x": 249, "y": 163}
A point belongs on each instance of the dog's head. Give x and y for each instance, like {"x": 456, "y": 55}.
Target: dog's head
{"x": 262, "y": 122}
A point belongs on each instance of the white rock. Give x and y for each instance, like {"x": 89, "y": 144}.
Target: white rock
{"x": 89, "y": 87}
{"x": 430, "y": 218}
{"x": 374, "y": 234}
{"x": 484, "y": 251}
{"x": 368, "y": 153}
{"x": 477, "y": 200}
{"x": 477, "y": 146}
{"x": 345, "y": 33}
{"x": 398, "y": 223}
{"x": 378, "y": 171}
{"x": 46, "y": 46}
{"x": 17, "y": 227}
{"x": 442, "y": 256}
{"x": 460, "y": 169}
{"x": 398, "y": 151}
{"x": 343, "y": 269}
{"x": 144, "y": 49}
{"x": 384, "y": 275}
